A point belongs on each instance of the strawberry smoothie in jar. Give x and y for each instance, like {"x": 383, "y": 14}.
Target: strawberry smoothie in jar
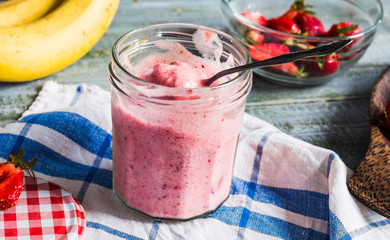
{"x": 175, "y": 139}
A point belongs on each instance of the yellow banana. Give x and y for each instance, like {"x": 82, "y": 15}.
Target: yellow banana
{"x": 43, "y": 47}
{"x": 18, "y": 12}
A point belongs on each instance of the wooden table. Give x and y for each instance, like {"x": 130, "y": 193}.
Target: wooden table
{"x": 333, "y": 116}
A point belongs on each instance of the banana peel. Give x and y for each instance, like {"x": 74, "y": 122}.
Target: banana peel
{"x": 55, "y": 41}
{"x": 19, "y": 12}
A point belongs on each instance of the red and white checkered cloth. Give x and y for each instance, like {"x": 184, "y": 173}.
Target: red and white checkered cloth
{"x": 44, "y": 211}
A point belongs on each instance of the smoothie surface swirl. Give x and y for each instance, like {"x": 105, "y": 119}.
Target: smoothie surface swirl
{"x": 176, "y": 66}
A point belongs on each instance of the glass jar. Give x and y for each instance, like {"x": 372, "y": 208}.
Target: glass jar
{"x": 174, "y": 148}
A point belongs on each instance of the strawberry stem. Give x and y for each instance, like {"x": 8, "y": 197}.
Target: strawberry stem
{"x": 17, "y": 160}
{"x": 347, "y": 29}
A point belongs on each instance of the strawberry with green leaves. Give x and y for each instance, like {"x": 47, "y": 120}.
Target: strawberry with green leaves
{"x": 325, "y": 65}
{"x": 343, "y": 29}
{"x": 297, "y": 7}
{"x": 300, "y": 13}
{"x": 11, "y": 178}
{"x": 285, "y": 23}
{"x": 317, "y": 66}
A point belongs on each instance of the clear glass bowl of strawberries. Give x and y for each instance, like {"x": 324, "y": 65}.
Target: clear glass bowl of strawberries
{"x": 271, "y": 28}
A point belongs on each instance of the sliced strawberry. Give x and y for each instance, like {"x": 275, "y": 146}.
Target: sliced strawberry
{"x": 274, "y": 49}
{"x": 309, "y": 25}
{"x": 324, "y": 65}
{"x": 268, "y": 50}
{"x": 284, "y": 25}
{"x": 255, "y": 16}
{"x": 254, "y": 37}
{"x": 11, "y": 178}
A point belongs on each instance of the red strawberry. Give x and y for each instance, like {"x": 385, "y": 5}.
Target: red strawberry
{"x": 324, "y": 65}
{"x": 297, "y": 7}
{"x": 343, "y": 29}
{"x": 284, "y": 25}
{"x": 255, "y": 17}
{"x": 268, "y": 50}
{"x": 309, "y": 25}
{"x": 11, "y": 178}
{"x": 254, "y": 37}
{"x": 273, "y": 48}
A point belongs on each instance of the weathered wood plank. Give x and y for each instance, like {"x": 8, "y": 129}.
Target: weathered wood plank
{"x": 338, "y": 124}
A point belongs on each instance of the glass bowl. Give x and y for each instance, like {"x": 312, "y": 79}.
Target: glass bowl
{"x": 367, "y": 14}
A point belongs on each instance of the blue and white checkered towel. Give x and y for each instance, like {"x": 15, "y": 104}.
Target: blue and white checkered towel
{"x": 283, "y": 188}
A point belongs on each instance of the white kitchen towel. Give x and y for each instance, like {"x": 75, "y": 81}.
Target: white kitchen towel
{"x": 283, "y": 188}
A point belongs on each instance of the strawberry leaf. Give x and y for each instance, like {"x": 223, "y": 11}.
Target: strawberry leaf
{"x": 310, "y": 12}
{"x": 17, "y": 160}
{"x": 20, "y": 154}
{"x": 299, "y": 5}
{"x": 348, "y": 29}
{"x": 301, "y": 73}
{"x": 31, "y": 173}
{"x": 32, "y": 162}
{"x": 320, "y": 62}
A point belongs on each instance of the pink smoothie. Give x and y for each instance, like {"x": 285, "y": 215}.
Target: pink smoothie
{"x": 172, "y": 161}
{"x": 175, "y": 74}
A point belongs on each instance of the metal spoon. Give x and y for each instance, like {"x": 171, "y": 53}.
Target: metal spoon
{"x": 322, "y": 50}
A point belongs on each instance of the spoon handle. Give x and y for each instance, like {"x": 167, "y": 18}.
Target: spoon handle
{"x": 322, "y": 50}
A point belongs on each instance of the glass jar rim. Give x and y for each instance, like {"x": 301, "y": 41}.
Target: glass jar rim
{"x": 236, "y": 42}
